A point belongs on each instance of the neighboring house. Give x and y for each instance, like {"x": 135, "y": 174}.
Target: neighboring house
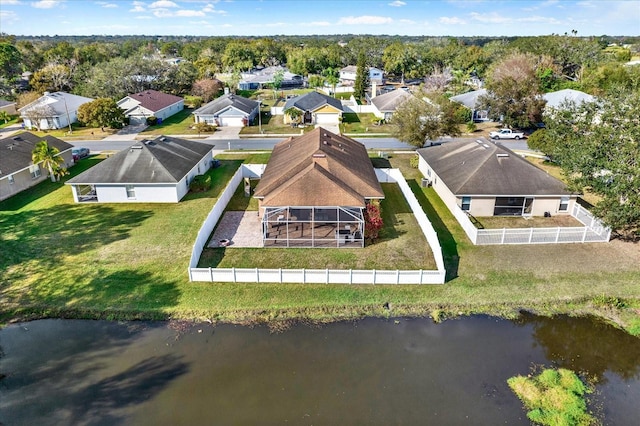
{"x": 314, "y": 191}
{"x": 486, "y": 179}
{"x": 8, "y": 106}
{"x": 385, "y": 105}
{"x": 471, "y": 101}
{"x": 52, "y": 110}
{"x": 139, "y": 106}
{"x": 228, "y": 110}
{"x": 316, "y": 108}
{"x": 348, "y": 75}
{"x": 261, "y": 78}
{"x": 565, "y": 97}
{"x": 150, "y": 171}
{"x": 17, "y": 171}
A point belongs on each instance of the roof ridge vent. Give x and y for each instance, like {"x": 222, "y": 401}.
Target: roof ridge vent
{"x": 502, "y": 155}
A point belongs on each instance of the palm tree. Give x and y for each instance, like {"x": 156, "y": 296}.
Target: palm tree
{"x": 4, "y": 116}
{"x": 294, "y": 114}
{"x": 332, "y": 77}
{"x": 48, "y": 156}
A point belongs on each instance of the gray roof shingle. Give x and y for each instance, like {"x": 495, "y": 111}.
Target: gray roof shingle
{"x": 15, "y": 151}
{"x": 471, "y": 167}
{"x": 161, "y": 160}
{"x": 229, "y": 100}
{"x": 312, "y": 101}
{"x": 390, "y": 101}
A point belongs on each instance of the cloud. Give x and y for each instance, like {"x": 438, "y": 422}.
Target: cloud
{"x": 138, "y": 6}
{"x": 45, "y": 4}
{"x": 8, "y": 17}
{"x": 365, "y": 20}
{"x": 9, "y": 2}
{"x": 162, "y": 4}
{"x": 182, "y": 13}
{"x": 397, "y": 3}
{"x": 106, "y": 4}
{"x": 491, "y": 18}
{"x": 454, "y": 20}
{"x": 586, "y": 4}
{"x": 316, "y": 24}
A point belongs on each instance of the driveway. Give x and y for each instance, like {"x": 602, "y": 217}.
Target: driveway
{"x": 128, "y": 132}
{"x": 226, "y": 132}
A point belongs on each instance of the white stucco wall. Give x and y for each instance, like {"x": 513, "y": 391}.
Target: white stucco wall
{"x": 143, "y": 193}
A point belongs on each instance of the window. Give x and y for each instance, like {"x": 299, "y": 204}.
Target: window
{"x": 35, "y": 171}
{"x": 131, "y": 192}
{"x": 509, "y": 206}
{"x": 564, "y": 204}
{"x": 466, "y": 203}
{"x": 11, "y": 180}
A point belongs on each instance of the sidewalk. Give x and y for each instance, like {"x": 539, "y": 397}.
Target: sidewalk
{"x": 10, "y": 130}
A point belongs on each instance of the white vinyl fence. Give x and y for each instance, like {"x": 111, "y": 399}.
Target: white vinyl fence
{"x": 315, "y": 276}
{"x": 592, "y": 232}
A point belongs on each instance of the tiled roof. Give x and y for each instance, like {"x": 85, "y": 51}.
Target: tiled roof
{"x": 312, "y": 101}
{"x": 15, "y": 151}
{"x": 472, "y": 167}
{"x": 318, "y": 169}
{"x": 162, "y": 160}
{"x": 243, "y": 104}
{"x": 154, "y": 100}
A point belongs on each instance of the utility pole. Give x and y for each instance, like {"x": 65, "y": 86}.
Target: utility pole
{"x": 259, "y": 114}
{"x": 68, "y": 117}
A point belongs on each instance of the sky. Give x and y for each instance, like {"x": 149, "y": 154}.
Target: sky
{"x": 307, "y": 17}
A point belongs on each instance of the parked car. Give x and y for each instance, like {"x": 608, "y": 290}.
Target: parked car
{"x": 79, "y": 153}
{"x": 506, "y": 134}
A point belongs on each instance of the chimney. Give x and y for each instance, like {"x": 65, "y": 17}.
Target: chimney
{"x": 374, "y": 89}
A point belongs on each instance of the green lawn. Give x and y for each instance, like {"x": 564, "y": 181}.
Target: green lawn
{"x": 14, "y": 120}
{"x": 274, "y": 125}
{"x": 178, "y": 124}
{"x": 130, "y": 261}
{"x": 78, "y": 132}
{"x": 363, "y": 123}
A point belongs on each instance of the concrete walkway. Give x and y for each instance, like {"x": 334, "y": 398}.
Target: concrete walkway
{"x": 242, "y": 228}
{"x": 10, "y": 130}
{"x": 226, "y": 132}
{"x": 127, "y": 133}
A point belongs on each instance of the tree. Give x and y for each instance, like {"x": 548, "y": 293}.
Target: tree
{"x": 102, "y": 112}
{"x": 398, "y": 58}
{"x": 36, "y": 114}
{"x": 293, "y": 113}
{"x": 513, "y": 91}
{"x": 278, "y": 78}
{"x": 48, "y": 156}
{"x": 4, "y": 116}
{"x": 362, "y": 77}
{"x": 10, "y": 59}
{"x": 418, "y": 120}
{"x": 332, "y": 76}
{"x": 596, "y": 145}
{"x": 52, "y": 78}
{"x": 207, "y": 88}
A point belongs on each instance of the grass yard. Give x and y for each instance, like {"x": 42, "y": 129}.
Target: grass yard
{"x": 499, "y": 222}
{"x": 363, "y": 123}
{"x": 14, "y": 119}
{"x": 78, "y": 132}
{"x": 61, "y": 259}
{"x": 274, "y": 125}
{"x": 178, "y": 124}
{"x": 401, "y": 245}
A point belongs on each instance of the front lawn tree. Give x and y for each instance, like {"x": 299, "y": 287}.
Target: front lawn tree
{"x": 294, "y": 114}
{"x": 597, "y": 145}
{"x": 48, "y": 156}
{"x": 102, "y": 112}
{"x": 421, "y": 119}
{"x": 513, "y": 91}
{"x": 5, "y": 116}
{"x": 332, "y": 77}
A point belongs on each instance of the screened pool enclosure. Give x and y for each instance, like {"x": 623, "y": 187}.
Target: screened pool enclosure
{"x": 341, "y": 227}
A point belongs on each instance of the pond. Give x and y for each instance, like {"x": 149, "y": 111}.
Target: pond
{"x": 373, "y": 371}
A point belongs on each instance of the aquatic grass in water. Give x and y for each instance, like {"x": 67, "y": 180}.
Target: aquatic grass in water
{"x": 553, "y": 397}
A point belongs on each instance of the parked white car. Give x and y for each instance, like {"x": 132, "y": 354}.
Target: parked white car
{"x": 506, "y": 134}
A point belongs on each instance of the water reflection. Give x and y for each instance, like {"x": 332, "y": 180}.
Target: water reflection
{"x": 374, "y": 371}
{"x": 586, "y": 345}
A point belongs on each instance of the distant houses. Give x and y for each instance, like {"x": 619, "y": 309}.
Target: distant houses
{"x": 264, "y": 77}
{"x": 17, "y": 171}
{"x": 52, "y": 111}
{"x": 386, "y": 104}
{"x": 348, "y": 75}
{"x": 315, "y": 108}
{"x": 150, "y": 103}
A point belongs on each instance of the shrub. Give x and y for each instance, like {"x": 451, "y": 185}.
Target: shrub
{"x": 471, "y": 127}
{"x": 200, "y": 183}
{"x": 414, "y": 161}
{"x": 152, "y": 120}
{"x": 372, "y": 220}
{"x": 203, "y": 127}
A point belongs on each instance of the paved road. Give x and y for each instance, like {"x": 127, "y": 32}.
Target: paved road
{"x": 245, "y": 144}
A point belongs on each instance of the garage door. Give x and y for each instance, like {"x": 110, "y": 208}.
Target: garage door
{"x": 133, "y": 119}
{"x": 327, "y": 118}
{"x": 230, "y": 121}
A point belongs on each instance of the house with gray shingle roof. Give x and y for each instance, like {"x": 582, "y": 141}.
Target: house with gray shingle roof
{"x": 487, "y": 179}
{"x": 150, "y": 171}
{"x": 140, "y": 106}
{"x": 560, "y": 98}
{"x": 8, "y": 106}
{"x": 52, "y": 110}
{"x": 228, "y": 110}
{"x": 17, "y": 171}
{"x": 316, "y": 108}
{"x": 385, "y": 105}
{"x": 472, "y": 101}
{"x": 314, "y": 191}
